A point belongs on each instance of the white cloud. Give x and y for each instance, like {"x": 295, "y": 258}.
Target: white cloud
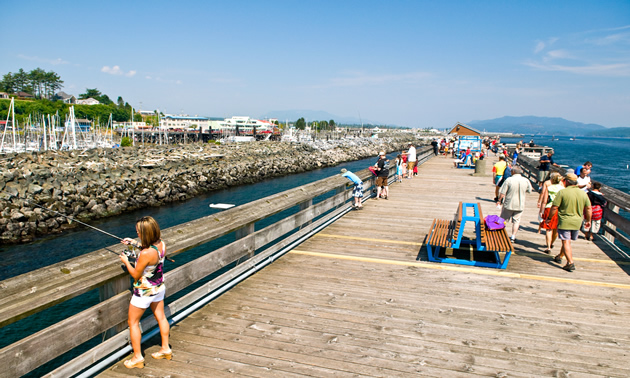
{"x": 542, "y": 45}
{"x": 115, "y": 70}
{"x": 43, "y": 60}
{"x": 557, "y": 54}
{"x": 616, "y": 70}
{"x": 610, "y": 39}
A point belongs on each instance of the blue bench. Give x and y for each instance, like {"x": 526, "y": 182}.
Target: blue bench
{"x": 445, "y": 234}
{"x": 467, "y": 163}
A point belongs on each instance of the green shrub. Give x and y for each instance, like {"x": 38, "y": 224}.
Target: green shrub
{"x": 125, "y": 142}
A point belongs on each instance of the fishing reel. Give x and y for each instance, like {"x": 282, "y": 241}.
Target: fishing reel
{"x": 131, "y": 256}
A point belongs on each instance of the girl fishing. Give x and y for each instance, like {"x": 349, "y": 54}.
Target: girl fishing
{"x": 148, "y": 288}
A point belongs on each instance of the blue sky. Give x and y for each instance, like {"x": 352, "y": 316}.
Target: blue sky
{"x": 410, "y": 63}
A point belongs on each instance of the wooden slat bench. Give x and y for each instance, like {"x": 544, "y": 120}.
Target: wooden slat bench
{"x": 446, "y": 234}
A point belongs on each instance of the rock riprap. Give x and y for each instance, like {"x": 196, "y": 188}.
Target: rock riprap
{"x": 104, "y": 182}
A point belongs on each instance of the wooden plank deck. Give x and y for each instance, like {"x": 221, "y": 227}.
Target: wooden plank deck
{"x": 353, "y": 301}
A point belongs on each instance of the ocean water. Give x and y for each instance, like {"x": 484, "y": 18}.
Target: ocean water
{"x": 610, "y": 156}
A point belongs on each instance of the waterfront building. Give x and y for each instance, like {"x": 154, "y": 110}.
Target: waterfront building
{"x": 245, "y": 125}
{"x": 81, "y": 125}
{"x": 185, "y": 122}
{"x": 131, "y": 125}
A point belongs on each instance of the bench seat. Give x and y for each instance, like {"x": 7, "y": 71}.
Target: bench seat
{"x": 446, "y": 234}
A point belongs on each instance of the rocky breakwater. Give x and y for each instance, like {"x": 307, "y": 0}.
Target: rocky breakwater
{"x": 104, "y": 182}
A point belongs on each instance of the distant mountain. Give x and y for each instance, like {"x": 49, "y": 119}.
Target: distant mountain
{"x": 535, "y": 125}
{"x": 619, "y": 132}
{"x": 314, "y": 115}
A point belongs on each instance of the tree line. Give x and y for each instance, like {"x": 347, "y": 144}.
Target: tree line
{"x": 37, "y": 82}
{"x": 44, "y": 85}
{"x": 300, "y": 124}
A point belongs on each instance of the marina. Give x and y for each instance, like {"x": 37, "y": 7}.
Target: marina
{"x": 359, "y": 297}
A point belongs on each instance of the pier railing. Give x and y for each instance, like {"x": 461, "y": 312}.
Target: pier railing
{"x": 317, "y": 204}
{"x": 616, "y": 227}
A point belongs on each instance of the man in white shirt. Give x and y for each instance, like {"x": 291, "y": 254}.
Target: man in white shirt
{"x": 411, "y": 160}
{"x": 513, "y": 191}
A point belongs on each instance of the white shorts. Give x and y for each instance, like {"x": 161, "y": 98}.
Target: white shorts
{"x": 145, "y": 302}
{"x": 595, "y": 226}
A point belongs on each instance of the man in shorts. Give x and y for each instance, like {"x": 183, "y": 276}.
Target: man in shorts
{"x": 382, "y": 174}
{"x": 357, "y": 190}
{"x": 411, "y": 160}
{"x": 573, "y": 207}
{"x": 514, "y": 190}
{"x": 546, "y": 161}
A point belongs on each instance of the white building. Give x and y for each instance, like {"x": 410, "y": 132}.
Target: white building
{"x": 88, "y": 101}
{"x": 185, "y": 122}
{"x": 245, "y": 125}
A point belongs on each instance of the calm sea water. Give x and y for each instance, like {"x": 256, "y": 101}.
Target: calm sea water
{"x": 610, "y": 156}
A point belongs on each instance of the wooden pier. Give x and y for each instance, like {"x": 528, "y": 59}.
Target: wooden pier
{"x": 354, "y": 301}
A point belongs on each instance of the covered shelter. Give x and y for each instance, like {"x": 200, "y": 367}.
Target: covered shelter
{"x": 467, "y": 138}
{"x": 462, "y": 129}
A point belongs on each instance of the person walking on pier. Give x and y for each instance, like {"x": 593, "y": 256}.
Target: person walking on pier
{"x": 411, "y": 160}
{"x": 549, "y": 192}
{"x": 573, "y": 207}
{"x": 357, "y": 190}
{"x": 497, "y": 174}
{"x": 513, "y": 191}
{"x": 148, "y": 288}
{"x": 546, "y": 161}
{"x": 382, "y": 174}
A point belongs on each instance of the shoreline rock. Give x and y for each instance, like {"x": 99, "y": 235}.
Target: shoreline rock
{"x": 99, "y": 183}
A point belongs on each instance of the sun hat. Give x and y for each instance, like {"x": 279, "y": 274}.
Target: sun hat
{"x": 382, "y": 153}
{"x": 571, "y": 176}
{"x": 343, "y": 170}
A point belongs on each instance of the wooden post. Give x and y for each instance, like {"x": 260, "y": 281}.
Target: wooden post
{"x": 341, "y": 189}
{"x": 244, "y": 231}
{"x": 607, "y": 235}
{"x": 303, "y": 206}
{"x": 109, "y": 290}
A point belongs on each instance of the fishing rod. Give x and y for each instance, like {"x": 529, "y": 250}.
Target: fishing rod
{"x": 87, "y": 225}
{"x": 74, "y": 220}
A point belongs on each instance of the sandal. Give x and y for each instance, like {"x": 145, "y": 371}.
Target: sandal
{"x": 547, "y": 250}
{"x": 130, "y": 365}
{"x": 160, "y": 355}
